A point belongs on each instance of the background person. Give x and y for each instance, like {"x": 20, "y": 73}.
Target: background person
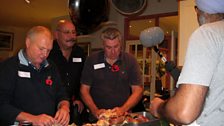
{"x": 30, "y": 88}
{"x": 69, "y": 58}
{"x": 111, "y": 78}
{"x": 199, "y": 99}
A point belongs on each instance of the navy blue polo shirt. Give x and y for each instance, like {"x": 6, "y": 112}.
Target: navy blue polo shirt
{"x": 24, "y": 88}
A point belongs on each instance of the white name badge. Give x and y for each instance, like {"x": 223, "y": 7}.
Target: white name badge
{"x": 24, "y": 74}
{"x": 77, "y": 60}
{"x": 98, "y": 66}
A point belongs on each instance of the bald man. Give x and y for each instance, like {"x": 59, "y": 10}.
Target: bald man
{"x": 30, "y": 88}
{"x": 69, "y": 58}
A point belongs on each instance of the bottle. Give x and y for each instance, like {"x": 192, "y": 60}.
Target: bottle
{"x": 77, "y": 119}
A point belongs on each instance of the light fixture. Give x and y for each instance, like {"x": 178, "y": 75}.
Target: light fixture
{"x": 129, "y": 7}
{"x": 27, "y": 1}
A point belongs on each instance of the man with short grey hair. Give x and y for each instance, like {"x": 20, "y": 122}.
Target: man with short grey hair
{"x": 111, "y": 78}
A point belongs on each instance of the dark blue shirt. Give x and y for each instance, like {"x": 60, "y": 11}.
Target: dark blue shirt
{"x": 111, "y": 85}
{"x": 24, "y": 88}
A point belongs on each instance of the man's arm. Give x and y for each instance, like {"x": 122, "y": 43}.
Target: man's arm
{"x": 134, "y": 98}
{"x": 184, "y": 107}
{"x": 62, "y": 115}
{"x": 87, "y": 99}
{"x": 64, "y": 104}
{"x": 39, "y": 120}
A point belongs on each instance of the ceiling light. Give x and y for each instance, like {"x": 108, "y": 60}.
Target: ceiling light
{"x": 27, "y": 1}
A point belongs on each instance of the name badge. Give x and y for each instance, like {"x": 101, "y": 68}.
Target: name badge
{"x": 24, "y": 74}
{"x": 98, "y": 66}
{"x": 77, "y": 60}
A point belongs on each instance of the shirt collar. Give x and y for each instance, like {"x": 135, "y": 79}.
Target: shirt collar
{"x": 24, "y": 60}
{"x": 119, "y": 59}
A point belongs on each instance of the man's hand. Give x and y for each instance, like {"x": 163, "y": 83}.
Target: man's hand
{"x": 43, "y": 120}
{"x": 154, "y": 106}
{"x": 62, "y": 116}
{"x": 80, "y": 105}
{"x": 97, "y": 112}
{"x": 119, "y": 111}
{"x": 37, "y": 120}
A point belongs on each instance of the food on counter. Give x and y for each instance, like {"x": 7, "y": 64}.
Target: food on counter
{"x": 73, "y": 124}
{"x": 110, "y": 118}
{"x": 135, "y": 118}
{"x": 108, "y": 114}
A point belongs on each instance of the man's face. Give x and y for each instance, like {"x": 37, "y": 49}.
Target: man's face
{"x": 66, "y": 35}
{"x": 112, "y": 48}
{"x": 38, "y": 48}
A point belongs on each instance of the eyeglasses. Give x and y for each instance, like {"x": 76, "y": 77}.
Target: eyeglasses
{"x": 67, "y": 32}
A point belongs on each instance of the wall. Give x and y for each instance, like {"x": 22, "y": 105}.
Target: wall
{"x": 115, "y": 20}
{"x": 18, "y": 40}
{"x": 153, "y": 7}
{"x": 187, "y": 24}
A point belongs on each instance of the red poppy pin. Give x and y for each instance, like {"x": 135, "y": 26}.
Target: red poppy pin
{"x": 49, "y": 81}
{"x": 115, "y": 68}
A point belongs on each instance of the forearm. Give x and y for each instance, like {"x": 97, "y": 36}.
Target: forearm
{"x": 134, "y": 98}
{"x": 64, "y": 104}
{"x": 87, "y": 99}
{"x": 185, "y": 106}
{"x": 168, "y": 111}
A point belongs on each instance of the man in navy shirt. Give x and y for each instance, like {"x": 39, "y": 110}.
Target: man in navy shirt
{"x": 30, "y": 88}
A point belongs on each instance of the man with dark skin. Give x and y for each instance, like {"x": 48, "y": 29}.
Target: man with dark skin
{"x": 199, "y": 98}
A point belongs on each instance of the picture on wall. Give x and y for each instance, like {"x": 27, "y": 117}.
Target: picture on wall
{"x": 6, "y": 40}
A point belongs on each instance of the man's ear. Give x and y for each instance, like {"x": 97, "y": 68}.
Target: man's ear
{"x": 27, "y": 42}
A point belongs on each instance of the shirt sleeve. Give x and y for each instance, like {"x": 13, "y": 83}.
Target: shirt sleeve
{"x": 201, "y": 59}
{"x": 134, "y": 72}
{"x": 87, "y": 72}
{"x": 8, "y": 75}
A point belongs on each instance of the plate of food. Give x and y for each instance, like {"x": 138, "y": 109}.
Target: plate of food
{"x": 110, "y": 118}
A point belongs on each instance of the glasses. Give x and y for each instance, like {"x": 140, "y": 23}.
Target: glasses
{"x": 67, "y": 32}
